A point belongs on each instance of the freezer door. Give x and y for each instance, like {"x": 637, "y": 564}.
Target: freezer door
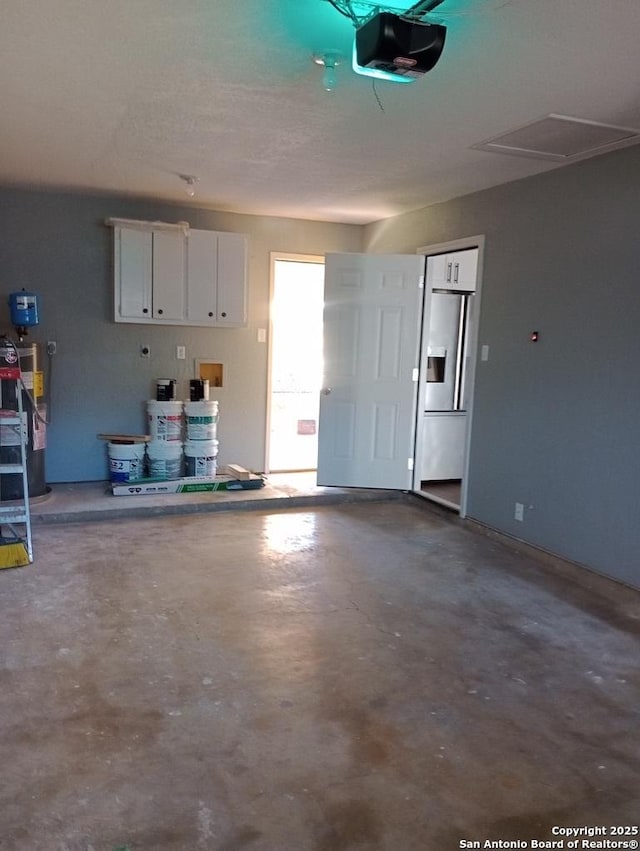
{"x": 443, "y": 437}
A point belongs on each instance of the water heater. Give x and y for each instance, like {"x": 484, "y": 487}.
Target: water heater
{"x": 22, "y": 360}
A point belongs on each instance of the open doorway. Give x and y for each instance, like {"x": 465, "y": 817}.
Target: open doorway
{"x": 447, "y": 372}
{"x": 295, "y": 362}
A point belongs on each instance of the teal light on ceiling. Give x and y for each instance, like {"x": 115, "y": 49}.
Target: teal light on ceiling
{"x": 376, "y": 73}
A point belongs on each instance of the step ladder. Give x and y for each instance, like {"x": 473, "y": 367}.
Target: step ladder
{"x": 17, "y": 550}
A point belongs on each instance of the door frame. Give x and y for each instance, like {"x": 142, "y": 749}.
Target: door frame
{"x": 461, "y": 244}
{"x": 290, "y": 257}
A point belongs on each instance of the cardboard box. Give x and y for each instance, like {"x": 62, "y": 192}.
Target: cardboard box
{"x": 188, "y": 484}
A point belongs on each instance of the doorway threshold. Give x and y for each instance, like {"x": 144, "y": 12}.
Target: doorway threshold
{"x": 445, "y": 503}
{"x": 445, "y": 493}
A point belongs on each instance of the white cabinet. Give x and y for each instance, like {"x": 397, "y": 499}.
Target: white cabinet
{"x": 169, "y": 278}
{"x": 216, "y": 278}
{"x": 133, "y": 270}
{"x": 457, "y": 270}
{"x": 202, "y": 284}
{"x": 232, "y": 276}
{"x": 175, "y": 276}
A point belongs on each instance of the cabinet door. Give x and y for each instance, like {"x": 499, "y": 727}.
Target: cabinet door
{"x": 440, "y": 271}
{"x": 133, "y": 271}
{"x": 436, "y": 271}
{"x": 454, "y": 271}
{"x": 202, "y": 262}
{"x": 232, "y": 279}
{"x": 169, "y": 264}
{"x": 465, "y": 269}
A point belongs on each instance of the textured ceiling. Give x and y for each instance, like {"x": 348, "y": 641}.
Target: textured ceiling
{"x": 124, "y": 95}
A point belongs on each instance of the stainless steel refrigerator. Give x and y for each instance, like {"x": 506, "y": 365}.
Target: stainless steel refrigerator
{"x": 444, "y": 422}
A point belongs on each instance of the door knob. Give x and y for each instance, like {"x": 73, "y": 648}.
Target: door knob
{"x": 326, "y": 391}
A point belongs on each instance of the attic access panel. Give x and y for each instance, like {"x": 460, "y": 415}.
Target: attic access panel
{"x": 560, "y": 138}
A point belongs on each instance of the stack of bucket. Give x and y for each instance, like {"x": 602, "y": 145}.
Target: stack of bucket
{"x": 168, "y": 419}
{"x": 201, "y": 445}
{"x": 165, "y": 450}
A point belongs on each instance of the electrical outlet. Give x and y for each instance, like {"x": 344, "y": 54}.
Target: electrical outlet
{"x": 145, "y": 351}
{"x": 181, "y": 352}
{"x": 52, "y": 347}
{"x": 519, "y": 512}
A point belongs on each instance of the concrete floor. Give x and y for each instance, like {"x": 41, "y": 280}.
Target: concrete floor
{"x": 359, "y": 676}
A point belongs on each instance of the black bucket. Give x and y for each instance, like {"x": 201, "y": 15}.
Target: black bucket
{"x": 165, "y": 389}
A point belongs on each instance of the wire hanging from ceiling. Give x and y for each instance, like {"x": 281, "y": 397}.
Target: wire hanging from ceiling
{"x": 377, "y": 96}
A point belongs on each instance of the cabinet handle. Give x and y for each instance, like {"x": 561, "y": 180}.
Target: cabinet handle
{"x": 223, "y": 314}
{"x": 455, "y": 274}
{"x": 160, "y": 312}
{"x": 145, "y": 310}
{"x": 449, "y": 273}
{"x": 210, "y": 313}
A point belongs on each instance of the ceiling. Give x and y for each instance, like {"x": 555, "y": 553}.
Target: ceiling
{"x": 125, "y": 95}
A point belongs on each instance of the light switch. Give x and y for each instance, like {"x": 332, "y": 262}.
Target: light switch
{"x": 484, "y": 353}
{"x": 262, "y": 335}
{"x": 181, "y": 352}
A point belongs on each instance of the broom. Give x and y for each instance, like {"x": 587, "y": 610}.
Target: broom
{"x": 13, "y": 553}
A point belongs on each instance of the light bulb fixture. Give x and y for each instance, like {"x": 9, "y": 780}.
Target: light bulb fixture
{"x": 329, "y": 60}
{"x": 190, "y": 181}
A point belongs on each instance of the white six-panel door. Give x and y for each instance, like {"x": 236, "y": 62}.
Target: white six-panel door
{"x": 372, "y": 317}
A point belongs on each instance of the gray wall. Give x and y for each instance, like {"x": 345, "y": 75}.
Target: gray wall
{"x": 557, "y": 423}
{"x": 58, "y": 246}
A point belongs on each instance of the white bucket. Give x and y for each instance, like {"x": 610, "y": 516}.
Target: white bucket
{"x": 200, "y": 458}
{"x": 202, "y": 420}
{"x": 126, "y": 461}
{"x": 165, "y": 420}
{"x": 165, "y": 459}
